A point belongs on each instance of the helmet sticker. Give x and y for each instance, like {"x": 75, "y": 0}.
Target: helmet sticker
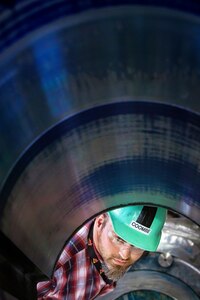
{"x": 141, "y": 228}
{"x": 147, "y": 216}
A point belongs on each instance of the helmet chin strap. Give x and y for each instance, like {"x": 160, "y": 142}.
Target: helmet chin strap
{"x": 94, "y": 259}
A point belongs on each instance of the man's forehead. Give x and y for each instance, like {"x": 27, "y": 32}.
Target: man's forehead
{"x": 114, "y": 233}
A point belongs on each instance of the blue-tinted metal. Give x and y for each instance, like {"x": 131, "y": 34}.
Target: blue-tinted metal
{"x": 56, "y": 93}
{"x": 98, "y": 108}
{"x": 25, "y": 16}
{"x": 127, "y": 53}
{"x": 116, "y": 154}
{"x": 142, "y": 169}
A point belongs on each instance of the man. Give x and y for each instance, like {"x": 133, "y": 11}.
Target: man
{"x": 102, "y": 251}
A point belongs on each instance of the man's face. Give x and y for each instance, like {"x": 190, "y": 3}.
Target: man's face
{"x": 118, "y": 255}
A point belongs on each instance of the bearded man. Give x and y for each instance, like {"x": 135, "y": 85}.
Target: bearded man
{"x": 102, "y": 251}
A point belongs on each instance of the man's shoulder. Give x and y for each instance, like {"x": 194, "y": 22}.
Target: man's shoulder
{"x": 83, "y": 231}
{"x": 77, "y": 243}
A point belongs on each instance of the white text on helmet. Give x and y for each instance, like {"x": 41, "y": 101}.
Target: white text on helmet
{"x": 140, "y": 227}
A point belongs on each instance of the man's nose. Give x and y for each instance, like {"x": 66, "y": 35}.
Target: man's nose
{"x": 125, "y": 252}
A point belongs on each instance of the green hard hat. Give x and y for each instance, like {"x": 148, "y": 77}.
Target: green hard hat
{"x": 139, "y": 225}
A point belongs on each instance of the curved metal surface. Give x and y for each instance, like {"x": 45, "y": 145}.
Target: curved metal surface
{"x": 17, "y": 18}
{"x": 144, "y": 295}
{"x": 181, "y": 238}
{"x": 54, "y": 73}
{"x": 107, "y": 156}
{"x": 72, "y": 145}
{"x": 151, "y": 280}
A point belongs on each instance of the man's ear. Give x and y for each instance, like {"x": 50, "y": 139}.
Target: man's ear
{"x": 100, "y": 220}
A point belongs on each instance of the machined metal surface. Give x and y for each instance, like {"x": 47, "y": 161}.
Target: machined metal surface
{"x": 51, "y": 74}
{"x": 181, "y": 239}
{"x": 165, "y": 260}
{"x": 91, "y": 124}
{"x": 109, "y": 159}
{"x": 151, "y": 280}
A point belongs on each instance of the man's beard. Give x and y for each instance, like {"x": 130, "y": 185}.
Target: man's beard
{"x": 114, "y": 272}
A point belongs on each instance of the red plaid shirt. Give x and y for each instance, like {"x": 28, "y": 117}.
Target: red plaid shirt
{"x": 75, "y": 276}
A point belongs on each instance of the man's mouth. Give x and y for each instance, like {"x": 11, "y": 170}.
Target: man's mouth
{"x": 121, "y": 262}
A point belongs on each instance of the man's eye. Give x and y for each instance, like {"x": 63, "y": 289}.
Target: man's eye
{"x": 119, "y": 240}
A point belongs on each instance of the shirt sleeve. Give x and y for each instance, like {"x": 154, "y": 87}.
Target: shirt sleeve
{"x": 69, "y": 279}
{"x": 52, "y": 289}
{"x": 75, "y": 277}
{"x": 43, "y": 289}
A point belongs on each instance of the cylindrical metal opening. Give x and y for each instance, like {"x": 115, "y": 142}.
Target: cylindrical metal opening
{"x": 95, "y": 123}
